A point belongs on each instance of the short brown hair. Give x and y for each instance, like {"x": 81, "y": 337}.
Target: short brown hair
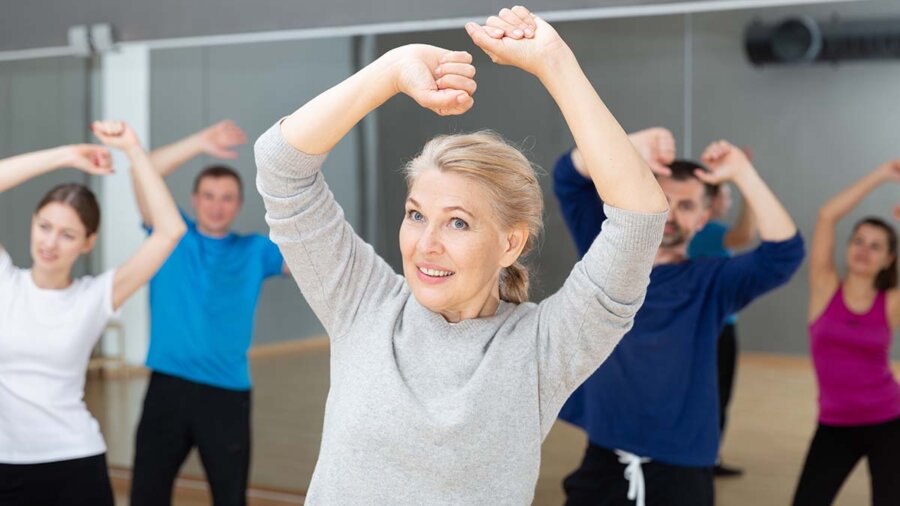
{"x": 216, "y": 171}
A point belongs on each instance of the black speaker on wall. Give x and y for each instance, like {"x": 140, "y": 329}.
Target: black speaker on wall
{"x": 801, "y": 39}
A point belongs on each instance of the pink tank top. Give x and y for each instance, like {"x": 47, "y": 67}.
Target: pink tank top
{"x": 851, "y": 353}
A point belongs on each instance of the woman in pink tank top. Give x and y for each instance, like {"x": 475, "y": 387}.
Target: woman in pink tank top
{"x": 851, "y": 321}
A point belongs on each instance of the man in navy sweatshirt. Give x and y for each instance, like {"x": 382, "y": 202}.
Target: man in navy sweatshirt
{"x": 651, "y": 410}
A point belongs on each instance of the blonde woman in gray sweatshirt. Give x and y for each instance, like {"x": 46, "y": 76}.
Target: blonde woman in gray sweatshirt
{"x": 445, "y": 380}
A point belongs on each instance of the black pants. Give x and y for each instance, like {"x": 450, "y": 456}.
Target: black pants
{"x": 600, "y": 481}
{"x": 834, "y": 453}
{"x": 76, "y": 482}
{"x": 178, "y": 415}
{"x": 727, "y": 351}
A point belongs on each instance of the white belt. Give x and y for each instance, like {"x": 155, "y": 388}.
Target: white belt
{"x": 635, "y": 475}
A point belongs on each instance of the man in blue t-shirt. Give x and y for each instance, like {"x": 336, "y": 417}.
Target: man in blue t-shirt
{"x": 650, "y": 409}
{"x": 717, "y": 240}
{"x": 202, "y": 304}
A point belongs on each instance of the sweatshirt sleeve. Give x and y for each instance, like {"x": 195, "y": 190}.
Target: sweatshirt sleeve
{"x": 745, "y": 277}
{"x": 579, "y": 203}
{"x": 339, "y": 274}
{"x": 580, "y": 325}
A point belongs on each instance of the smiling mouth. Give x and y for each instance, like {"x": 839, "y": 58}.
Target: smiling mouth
{"x": 434, "y": 273}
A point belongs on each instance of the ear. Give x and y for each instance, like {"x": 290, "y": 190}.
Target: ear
{"x": 89, "y": 244}
{"x": 194, "y": 200}
{"x": 513, "y": 243}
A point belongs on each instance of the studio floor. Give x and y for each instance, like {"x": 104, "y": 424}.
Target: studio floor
{"x": 772, "y": 420}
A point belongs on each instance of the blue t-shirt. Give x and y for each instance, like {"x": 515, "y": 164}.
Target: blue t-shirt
{"x": 202, "y": 305}
{"x": 657, "y": 395}
{"x": 709, "y": 242}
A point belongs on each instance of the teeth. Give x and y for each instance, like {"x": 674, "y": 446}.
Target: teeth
{"x": 435, "y": 273}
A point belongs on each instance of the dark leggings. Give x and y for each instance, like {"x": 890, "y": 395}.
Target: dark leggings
{"x": 178, "y": 415}
{"x": 834, "y": 453}
{"x": 727, "y": 350}
{"x": 76, "y": 482}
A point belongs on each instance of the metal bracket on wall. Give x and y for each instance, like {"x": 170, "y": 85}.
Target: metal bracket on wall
{"x": 80, "y": 41}
{"x": 86, "y": 41}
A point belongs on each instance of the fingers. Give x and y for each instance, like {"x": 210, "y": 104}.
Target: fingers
{"x": 527, "y": 18}
{"x": 457, "y": 82}
{"x": 665, "y": 146}
{"x": 520, "y": 18}
{"x": 495, "y": 23}
{"x": 461, "y": 57}
{"x": 660, "y": 169}
{"x": 707, "y": 177}
{"x": 108, "y": 128}
{"x": 233, "y": 132}
{"x": 482, "y": 39}
{"x": 517, "y": 23}
{"x": 716, "y": 151}
{"x": 101, "y": 160}
{"x": 460, "y": 69}
{"x": 91, "y": 158}
{"x": 447, "y": 102}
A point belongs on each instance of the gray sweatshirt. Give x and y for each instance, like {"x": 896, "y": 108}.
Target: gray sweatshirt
{"x": 426, "y": 412}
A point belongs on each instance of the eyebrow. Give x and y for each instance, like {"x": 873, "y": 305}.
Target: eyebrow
{"x": 65, "y": 229}
{"x": 448, "y": 209}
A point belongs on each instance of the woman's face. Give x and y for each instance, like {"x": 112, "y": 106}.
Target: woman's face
{"x": 453, "y": 251}
{"x": 58, "y": 238}
{"x": 867, "y": 253}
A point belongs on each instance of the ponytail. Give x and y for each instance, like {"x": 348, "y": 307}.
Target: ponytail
{"x": 514, "y": 283}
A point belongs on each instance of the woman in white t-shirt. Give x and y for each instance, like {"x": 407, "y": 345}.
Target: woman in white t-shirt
{"x": 51, "y": 449}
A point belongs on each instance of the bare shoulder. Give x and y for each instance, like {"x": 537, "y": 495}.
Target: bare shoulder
{"x": 821, "y": 291}
{"x": 893, "y": 305}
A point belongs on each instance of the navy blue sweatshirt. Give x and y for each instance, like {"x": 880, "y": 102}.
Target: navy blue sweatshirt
{"x": 657, "y": 396}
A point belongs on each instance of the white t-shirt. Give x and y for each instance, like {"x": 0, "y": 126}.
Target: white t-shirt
{"x": 46, "y": 337}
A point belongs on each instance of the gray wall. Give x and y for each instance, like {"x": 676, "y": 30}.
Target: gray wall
{"x": 44, "y": 23}
{"x": 43, "y": 103}
{"x": 813, "y": 129}
{"x": 253, "y": 85}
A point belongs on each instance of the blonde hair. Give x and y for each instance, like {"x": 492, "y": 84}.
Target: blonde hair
{"x": 506, "y": 175}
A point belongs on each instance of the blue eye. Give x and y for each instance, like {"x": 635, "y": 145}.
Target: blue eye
{"x": 458, "y": 224}
{"x": 414, "y": 215}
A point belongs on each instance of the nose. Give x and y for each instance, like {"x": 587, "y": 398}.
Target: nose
{"x": 49, "y": 241}
{"x": 430, "y": 242}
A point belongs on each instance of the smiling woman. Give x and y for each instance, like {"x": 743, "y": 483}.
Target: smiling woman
{"x": 483, "y": 214}
{"x": 445, "y": 381}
